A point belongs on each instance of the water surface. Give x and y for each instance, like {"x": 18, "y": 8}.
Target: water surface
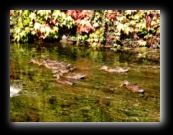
{"x": 97, "y": 98}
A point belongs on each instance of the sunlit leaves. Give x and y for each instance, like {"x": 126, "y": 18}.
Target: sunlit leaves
{"x": 132, "y": 22}
{"x": 154, "y": 23}
{"x": 42, "y": 29}
{"x": 36, "y": 26}
{"x": 33, "y": 32}
{"x": 83, "y": 22}
{"x": 17, "y": 38}
{"x": 20, "y": 24}
{"x": 127, "y": 30}
{"x": 27, "y": 29}
{"x": 68, "y": 18}
{"x": 158, "y": 31}
{"x": 142, "y": 42}
{"x": 137, "y": 16}
{"x": 43, "y": 12}
{"x": 32, "y": 16}
{"x": 97, "y": 25}
{"x": 56, "y": 14}
{"x": 26, "y": 21}
{"x": 120, "y": 27}
{"x": 22, "y": 33}
{"x": 55, "y": 29}
{"x": 25, "y": 13}
{"x": 120, "y": 19}
{"x": 17, "y": 29}
{"x": 147, "y": 36}
{"x": 69, "y": 22}
{"x": 47, "y": 31}
{"x": 69, "y": 25}
{"x": 128, "y": 12}
{"x": 141, "y": 25}
{"x": 55, "y": 36}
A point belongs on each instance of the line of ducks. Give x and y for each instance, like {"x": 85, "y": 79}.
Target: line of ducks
{"x": 60, "y": 70}
{"x": 64, "y": 73}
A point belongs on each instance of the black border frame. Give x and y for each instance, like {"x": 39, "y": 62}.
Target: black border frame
{"x": 163, "y": 125}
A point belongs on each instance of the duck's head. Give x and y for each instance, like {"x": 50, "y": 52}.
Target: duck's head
{"x": 125, "y": 82}
{"x": 104, "y": 68}
{"x": 32, "y": 61}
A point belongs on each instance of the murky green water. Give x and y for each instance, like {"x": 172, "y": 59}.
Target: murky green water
{"x": 97, "y": 98}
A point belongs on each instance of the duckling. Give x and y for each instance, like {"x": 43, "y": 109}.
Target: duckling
{"x": 132, "y": 87}
{"x": 32, "y": 61}
{"x": 115, "y": 69}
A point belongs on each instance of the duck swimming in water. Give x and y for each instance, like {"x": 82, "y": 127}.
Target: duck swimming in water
{"x": 60, "y": 69}
{"x": 62, "y": 81}
{"x": 75, "y": 76}
{"x": 115, "y": 69}
{"x": 132, "y": 87}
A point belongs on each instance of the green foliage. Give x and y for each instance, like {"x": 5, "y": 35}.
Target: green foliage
{"x": 94, "y": 27}
{"x": 39, "y": 24}
{"x": 137, "y": 25}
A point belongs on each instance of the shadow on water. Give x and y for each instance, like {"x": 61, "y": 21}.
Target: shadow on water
{"x": 97, "y": 98}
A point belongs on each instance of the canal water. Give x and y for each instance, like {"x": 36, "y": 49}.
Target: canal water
{"x": 35, "y": 96}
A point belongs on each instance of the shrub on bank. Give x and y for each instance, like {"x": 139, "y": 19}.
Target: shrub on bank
{"x": 96, "y": 28}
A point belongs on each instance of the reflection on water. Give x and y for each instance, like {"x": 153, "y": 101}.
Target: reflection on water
{"x": 14, "y": 91}
{"x": 97, "y": 98}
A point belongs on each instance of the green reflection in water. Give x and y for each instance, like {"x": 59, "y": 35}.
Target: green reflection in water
{"x": 98, "y": 98}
